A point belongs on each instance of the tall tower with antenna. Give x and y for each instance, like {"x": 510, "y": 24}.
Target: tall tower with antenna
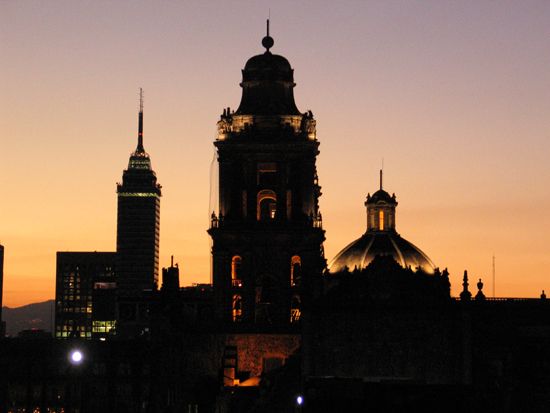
{"x": 138, "y": 224}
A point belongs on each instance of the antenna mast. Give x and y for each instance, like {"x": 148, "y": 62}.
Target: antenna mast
{"x": 494, "y": 272}
{"x": 140, "y": 124}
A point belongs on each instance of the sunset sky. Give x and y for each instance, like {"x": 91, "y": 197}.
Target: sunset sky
{"x": 453, "y": 96}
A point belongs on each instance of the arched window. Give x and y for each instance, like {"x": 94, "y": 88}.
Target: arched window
{"x": 267, "y": 205}
{"x": 295, "y": 311}
{"x": 381, "y": 220}
{"x": 237, "y": 308}
{"x": 371, "y": 219}
{"x": 236, "y": 263}
{"x": 295, "y": 271}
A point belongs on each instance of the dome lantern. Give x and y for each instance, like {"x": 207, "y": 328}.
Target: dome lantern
{"x": 380, "y": 210}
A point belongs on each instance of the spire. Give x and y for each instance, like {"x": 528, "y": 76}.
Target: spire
{"x": 139, "y": 159}
{"x": 267, "y": 41}
{"x": 380, "y": 179}
{"x": 140, "y": 148}
{"x": 465, "y": 295}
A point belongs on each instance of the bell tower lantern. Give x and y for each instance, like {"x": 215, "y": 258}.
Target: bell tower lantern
{"x": 267, "y": 233}
{"x": 381, "y": 210}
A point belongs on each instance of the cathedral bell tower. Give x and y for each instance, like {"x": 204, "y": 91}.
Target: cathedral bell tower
{"x": 267, "y": 234}
{"x": 138, "y": 222}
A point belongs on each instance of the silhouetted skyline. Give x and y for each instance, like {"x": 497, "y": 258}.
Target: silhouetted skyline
{"x": 455, "y": 99}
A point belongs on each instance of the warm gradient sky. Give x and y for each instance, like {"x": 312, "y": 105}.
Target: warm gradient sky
{"x": 455, "y": 96}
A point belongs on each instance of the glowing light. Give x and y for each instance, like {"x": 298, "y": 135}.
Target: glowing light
{"x": 139, "y": 194}
{"x": 76, "y": 357}
{"x": 299, "y": 400}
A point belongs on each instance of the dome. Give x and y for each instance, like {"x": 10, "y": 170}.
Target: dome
{"x": 362, "y": 251}
{"x": 381, "y": 238}
{"x": 268, "y": 83}
{"x": 268, "y": 66}
{"x": 380, "y": 196}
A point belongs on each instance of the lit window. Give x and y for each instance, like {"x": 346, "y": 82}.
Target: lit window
{"x": 102, "y": 326}
{"x": 381, "y": 220}
{"x": 237, "y": 308}
{"x": 295, "y": 311}
{"x": 267, "y": 205}
{"x": 236, "y": 263}
{"x": 295, "y": 270}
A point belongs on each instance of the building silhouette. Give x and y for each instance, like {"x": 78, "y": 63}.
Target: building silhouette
{"x": 267, "y": 235}
{"x": 85, "y": 295}
{"x": 138, "y": 225}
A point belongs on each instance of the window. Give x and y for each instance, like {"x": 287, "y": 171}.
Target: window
{"x": 236, "y": 263}
{"x": 381, "y": 220}
{"x": 102, "y": 326}
{"x": 295, "y": 270}
{"x": 237, "y": 308}
{"x": 267, "y": 205}
{"x": 104, "y": 285}
{"x": 295, "y": 311}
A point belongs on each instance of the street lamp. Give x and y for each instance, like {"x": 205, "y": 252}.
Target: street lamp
{"x": 299, "y": 402}
{"x": 76, "y": 356}
{"x": 74, "y": 388}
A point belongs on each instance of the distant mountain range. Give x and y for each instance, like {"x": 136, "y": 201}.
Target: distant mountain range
{"x": 31, "y": 316}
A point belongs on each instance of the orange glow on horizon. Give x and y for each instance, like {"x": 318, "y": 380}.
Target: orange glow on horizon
{"x": 453, "y": 101}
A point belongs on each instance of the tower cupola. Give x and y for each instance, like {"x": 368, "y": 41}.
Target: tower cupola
{"x": 268, "y": 83}
{"x": 381, "y": 210}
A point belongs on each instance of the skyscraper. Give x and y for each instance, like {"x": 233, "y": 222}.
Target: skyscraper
{"x": 137, "y": 238}
{"x": 267, "y": 235}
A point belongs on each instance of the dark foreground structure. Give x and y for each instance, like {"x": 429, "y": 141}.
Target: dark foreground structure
{"x": 383, "y": 339}
{"x": 277, "y": 331}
